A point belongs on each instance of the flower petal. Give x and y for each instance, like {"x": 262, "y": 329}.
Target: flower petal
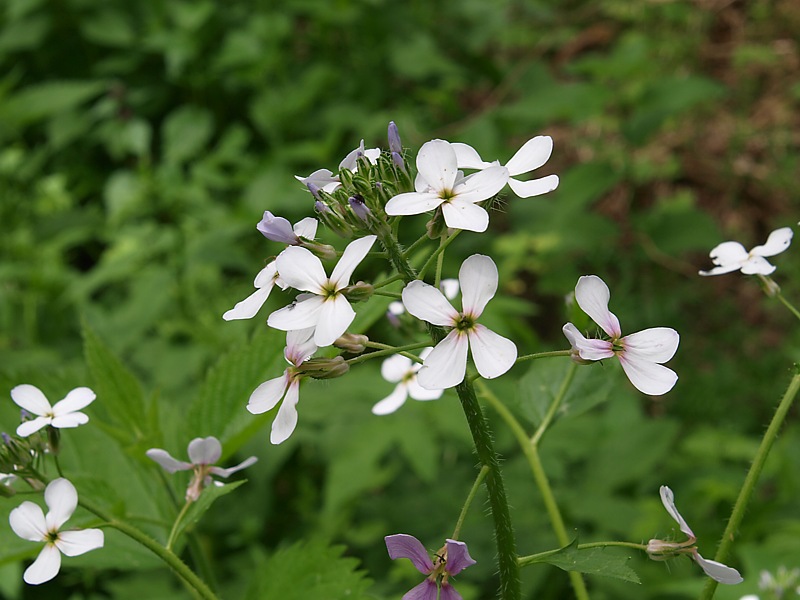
{"x": 29, "y": 427}
{"x": 587, "y": 349}
{"x": 437, "y": 164}
{"x": 306, "y": 228}
{"x": 460, "y": 214}
{"x": 721, "y": 270}
{"x": 393, "y": 401}
{"x": 249, "y": 307}
{"x": 412, "y": 203}
{"x": 301, "y": 270}
{"x": 668, "y": 500}
{"x": 717, "y": 571}
{"x": 417, "y": 392}
{"x": 45, "y": 567}
{"x": 429, "y": 304}
{"x": 205, "y": 451}
{"x": 69, "y": 420}
{"x": 533, "y": 187}
{"x": 532, "y": 155}
{"x": 458, "y": 557}
{"x": 276, "y": 229}
{"x": 165, "y": 460}
{"x": 482, "y": 185}
{"x": 335, "y": 317}
{"x": 61, "y": 498}
{"x": 478, "y": 279}
{"x": 757, "y": 265}
{"x": 592, "y": 295}
{"x": 777, "y": 242}
{"x": 448, "y": 592}
{"x": 286, "y": 420}
{"x": 27, "y": 521}
{"x": 300, "y": 314}
{"x": 31, "y": 399}
{"x": 351, "y": 257}
{"x": 492, "y": 353}
{"x": 728, "y": 253}
{"x": 394, "y": 368}
{"x": 446, "y": 364}
{"x": 75, "y": 400}
{"x": 75, "y": 543}
{"x": 646, "y": 376}
{"x": 220, "y": 472}
{"x": 467, "y": 157}
{"x": 402, "y": 545}
{"x": 268, "y": 394}
{"x": 426, "y": 590}
{"x": 657, "y": 344}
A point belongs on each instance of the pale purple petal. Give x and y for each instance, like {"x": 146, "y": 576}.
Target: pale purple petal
{"x": 393, "y": 401}
{"x": 448, "y": 592}
{"x": 286, "y": 420}
{"x": 61, "y": 498}
{"x": 717, "y": 571}
{"x": 446, "y": 364}
{"x": 646, "y": 376}
{"x": 467, "y": 157}
{"x": 299, "y": 345}
{"x": 268, "y": 394}
{"x": 169, "y": 464}
{"x": 220, "y": 472}
{"x": 335, "y": 317}
{"x": 533, "y": 187}
{"x": 728, "y": 253}
{"x": 412, "y": 203}
{"x": 301, "y": 314}
{"x": 757, "y": 265}
{"x": 458, "y": 557}
{"x": 437, "y": 164}
{"x": 426, "y": 590}
{"x": 205, "y": 451}
{"x": 461, "y": 214}
{"x": 482, "y": 185}
{"x": 417, "y": 392}
{"x": 249, "y": 307}
{"x": 777, "y": 242}
{"x": 320, "y": 178}
{"x": 533, "y": 154}
{"x": 75, "y": 400}
{"x": 45, "y": 567}
{"x": 302, "y": 270}
{"x": 29, "y": 427}
{"x": 402, "y": 545}
{"x": 394, "y": 368}
{"x": 306, "y": 228}
{"x": 592, "y": 295}
{"x": 429, "y": 304}
{"x": 75, "y": 543}
{"x": 668, "y": 500}
{"x": 657, "y": 344}
{"x": 27, "y": 521}
{"x": 478, "y": 279}
{"x": 351, "y": 257}
{"x": 574, "y": 337}
{"x": 276, "y": 229}
{"x": 70, "y": 420}
{"x": 587, "y": 349}
{"x": 492, "y": 353}
{"x": 31, "y": 399}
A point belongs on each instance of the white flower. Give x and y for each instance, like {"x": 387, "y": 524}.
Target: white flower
{"x": 273, "y": 228}
{"x": 661, "y": 550}
{"x": 446, "y": 365}
{"x": 439, "y": 183}
{"x": 63, "y": 414}
{"x": 403, "y": 371}
{"x": 533, "y": 154}
{"x": 30, "y": 523}
{"x": 731, "y": 256}
{"x": 325, "y": 308}
{"x": 327, "y": 181}
{"x": 299, "y": 348}
{"x": 203, "y": 452}
{"x": 641, "y": 354}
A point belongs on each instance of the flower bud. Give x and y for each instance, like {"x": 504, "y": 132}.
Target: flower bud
{"x": 313, "y": 189}
{"x": 360, "y": 209}
{"x": 771, "y": 289}
{"x": 323, "y": 251}
{"x": 397, "y": 158}
{"x": 362, "y": 185}
{"x": 324, "y": 368}
{"x": 354, "y": 343}
{"x": 346, "y": 178}
{"x": 358, "y": 291}
{"x": 321, "y": 207}
{"x": 662, "y": 550}
{"x": 395, "y": 145}
{"x": 6, "y": 491}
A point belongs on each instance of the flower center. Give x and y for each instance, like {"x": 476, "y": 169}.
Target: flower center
{"x": 465, "y": 323}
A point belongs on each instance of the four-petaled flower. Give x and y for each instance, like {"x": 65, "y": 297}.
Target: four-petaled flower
{"x": 30, "y": 523}
{"x": 731, "y": 256}
{"x": 203, "y": 452}
{"x": 662, "y": 550}
{"x": 439, "y": 183}
{"x": 403, "y": 371}
{"x": 299, "y": 348}
{"x": 325, "y": 308}
{"x": 533, "y": 154}
{"x": 65, "y": 413}
{"x": 446, "y": 365}
{"x": 641, "y": 354}
{"x": 448, "y": 562}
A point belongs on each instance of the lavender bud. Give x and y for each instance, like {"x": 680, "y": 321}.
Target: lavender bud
{"x": 395, "y": 145}
{"x": 313, "y": 189}
{"x": 322, "y": 208}
{"x": 397, "y": 158}
{"x": 277, "y": 229}
{"x": 361, "y": 210}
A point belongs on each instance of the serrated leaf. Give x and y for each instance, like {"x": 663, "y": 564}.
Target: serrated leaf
{"x": 198, "y": 508}
{"x": 592, "y": 561}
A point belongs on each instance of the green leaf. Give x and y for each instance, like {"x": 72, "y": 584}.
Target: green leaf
{"x": 44, "y": 100}
{"x": 198, "y": 508}
{"x": 592, "y": 561}
{"x": 186, "y": 132}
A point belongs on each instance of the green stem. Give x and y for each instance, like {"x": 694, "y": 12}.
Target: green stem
{"x": 386, "y": 350}
{"x": 748, "y": 487}
{"x": 393, "y": 295}
{"x": 554, "y": 405}
{"x": 437, "y": 278}
{"x": 422, "y": 239}
{"x": 788, "y": 305}
{"x": 470, "y": 497}
{"x": 550, "y": 354}
{"x": 434, "y": 255}
{"x": 390, "y": 280}
{"x": 531, "y": 559}
{"x": 174, "y": 531}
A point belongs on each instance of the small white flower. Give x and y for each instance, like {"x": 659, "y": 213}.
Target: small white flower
{"x": 403, "y": 371}
{"x": 732, "y": 256}
{"x": 325, "y": 180}
{"x": 299, "y": 348}
{"x": 446, "y": 365}
{"x": 203, "y": 452}
{"x": 439, "y": 183}
{"x": 65, "y": 413}
{"x": 533, "y": 154}
{"x": 30, "y": 523}
{"x": 640, "y": 354}
{"x": 325, "y": 308}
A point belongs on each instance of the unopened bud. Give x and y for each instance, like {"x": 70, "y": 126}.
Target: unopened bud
{"x": 362, "y": 185}
{"x": 325, "y": 368}
{"x": 354, "y": 343}
{"x": 6, "y": 491}
{"x": 397, "y": 159}
{"x": 323, "y": 251}
{"x": 360, "y": 209}
{"x": 359, "y": 291}
{"x": 54, "y": 439}
{"x": 321, "y": 207}
{"x": 771, "y": 289}
{"x": 395, "y": 145}
{"x": 346, "y": 178}
{"x": 314, "y": 189}
{"x": 662, "y": 550}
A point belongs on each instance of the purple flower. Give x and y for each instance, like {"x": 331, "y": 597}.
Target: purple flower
{"x": 279, "y": 229}
{"x": 449, "y": 561}
{"x": 395, "y": 145}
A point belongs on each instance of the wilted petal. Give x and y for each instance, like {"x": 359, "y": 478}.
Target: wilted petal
{"x": 592, "y": 295}
{"x": 446, "y": 364}
{"x": 717, "y": 571}
{"x": 424, "y": 591}
{"x": 75, "y": 400}
{"x": 412, "y": 203}
{"x": 31, "y": 399}
{"x": 777, "y": 242}
{"x": 533, "y": 154}
{"x": 402, "y": 545}
{"x": 286, "y": 420}
{"x": 394, "y": 368}
{"x": 728, "y": 253}
{"x": 478, "y": 279}
{"x": 301, "y": 314}
{"x": 335, "y": 317}
{"x": 437, "y": 164}
{"x": 62, "y": 500}
{"x": 492, "y": 353}
{"x": 429, "y": 304}
{"x": 27, "y": 521}
{"x": 220, "y": 472}
{"x": 351, "y": 257}
{"x": 393, "y": 401}
{"x": 29, "y": 427}
{"x": 68, "y": 420}
{"x": 756, "y": 265}
{"x": 458, "y": 557}
{"x": 75, "y": 543}
{"x": 462, "y": 214}
{"x": 249, "y": 307}
{"x": 534, "y": 187}
{"x": 45, "y": 567}
{"x": 205, "y": 451}
{"x": 657, "y": 344}
{"x": 268, "y": 394}
{"x": 646, "y": 376}
{"x": 301, "y": 270}
{"x": 668, "y": 500}
{"x": 467, "y": 157}
{"x": 482, "y": 185}
{"x": 165, "y": 460}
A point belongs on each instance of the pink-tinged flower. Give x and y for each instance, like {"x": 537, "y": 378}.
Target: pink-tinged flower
{"x": 662, "y": 550}
{"x": 731, "y": 256}
{"x": 641, "y": 354}
{"x": 446, "y": 365}
{"x": 325, "y": 180}
{"x": 299, "y": 348}
{"x": 448, "y": 562}
{"x": 65, "y": 413}
{"x": 403, "y": 371}
{"x": 533, "y": 154}
{"x": 325, "y": 308}
{"x": 439, "y": 183}
{"x": 203, "y": 454}
{"x": 30, "y": 523}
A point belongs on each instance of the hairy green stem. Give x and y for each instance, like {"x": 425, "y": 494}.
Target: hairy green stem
{"x": 470, "y": 497}
{"x": 549, "y": 354}
{"x": 532, "y": 559}
{"x": 748, "y": 487}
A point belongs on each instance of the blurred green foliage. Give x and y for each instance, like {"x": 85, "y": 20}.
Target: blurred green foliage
{"x": 141, "y": 142}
